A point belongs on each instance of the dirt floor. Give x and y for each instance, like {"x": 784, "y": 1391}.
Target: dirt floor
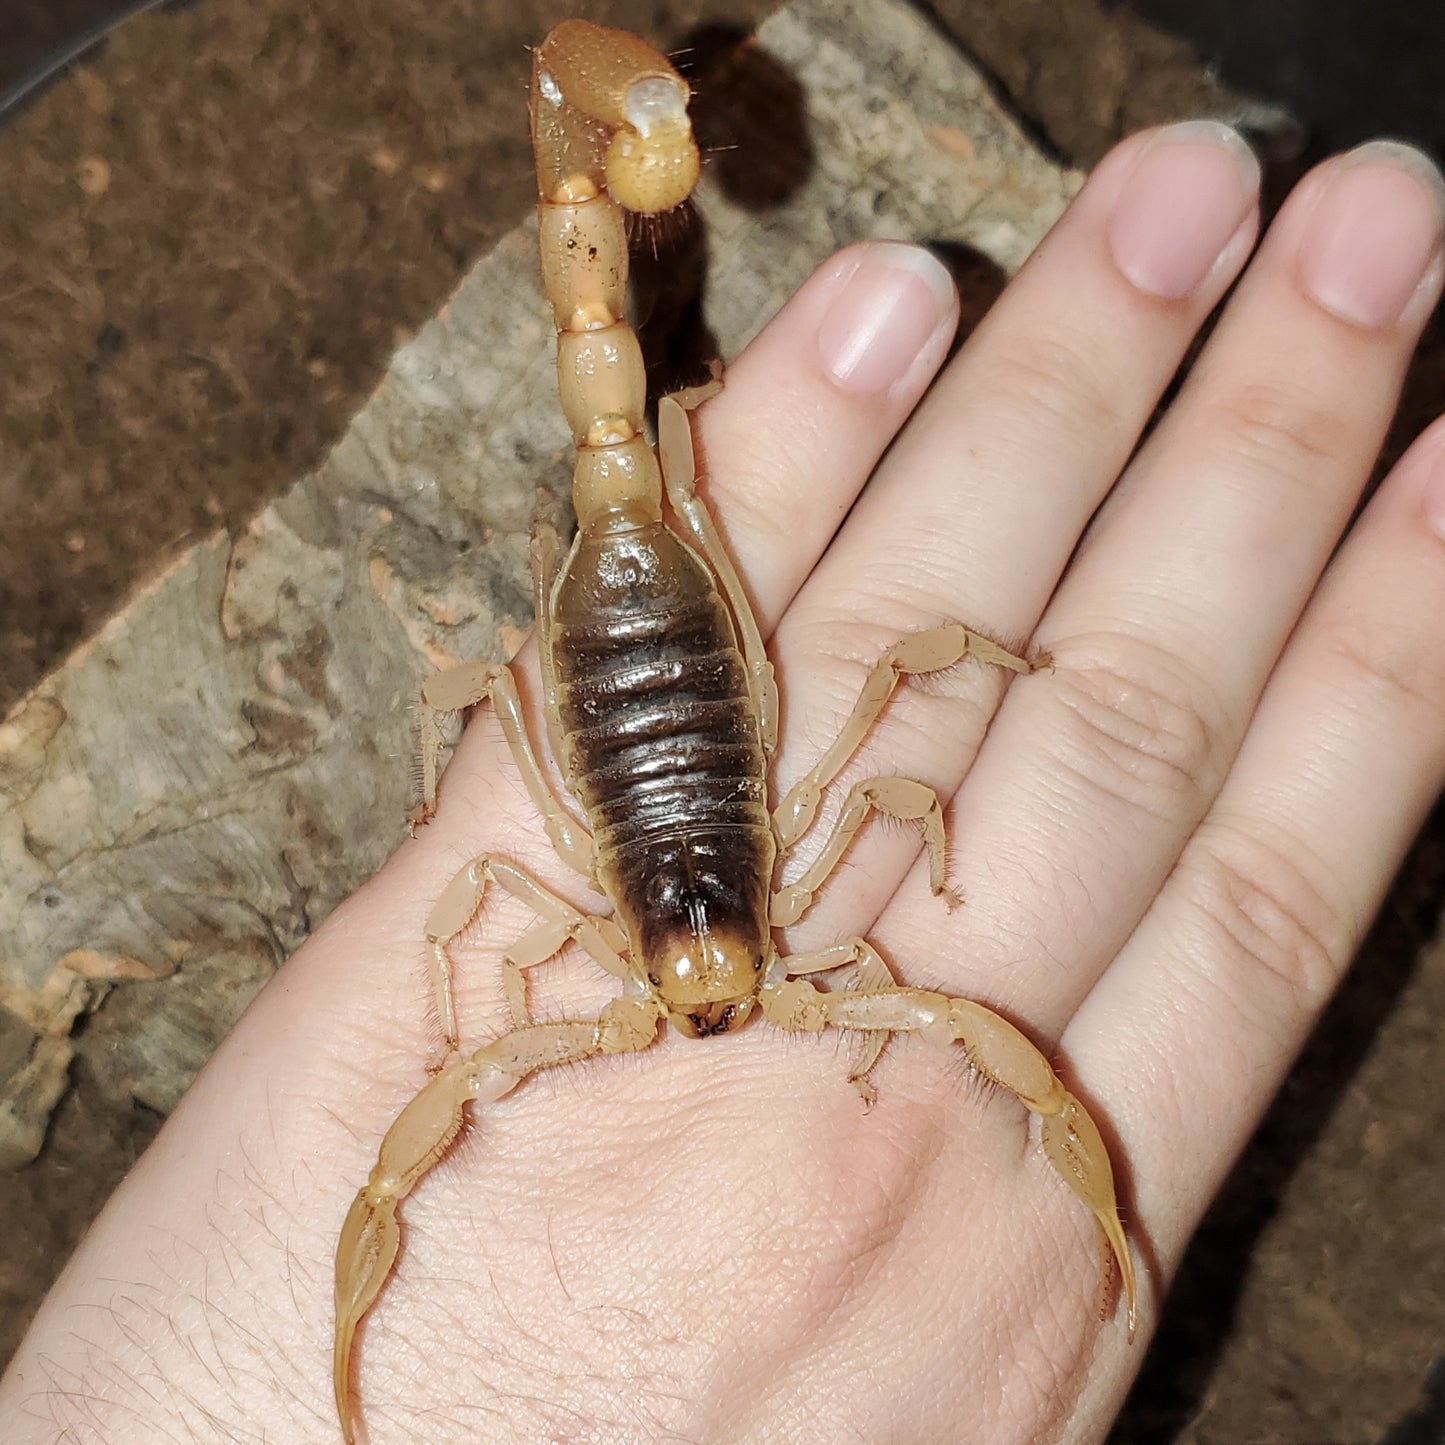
{"x": 215, "y": 232}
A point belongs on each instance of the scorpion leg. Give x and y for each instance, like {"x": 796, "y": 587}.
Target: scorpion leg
{"x": 999, "y": 1051}
{"x": 899, "y": 798}
{"x": 425, "y": 1130}
{"x": 867, "y": 974}
{"x": 460, "y": 902}
{"x": 546, "y": 941}
{"x": 679, "y": 472}
{"x": 932, "y": 650}
{"x": 462, "y": 687}
{"x": 544, "y": 572}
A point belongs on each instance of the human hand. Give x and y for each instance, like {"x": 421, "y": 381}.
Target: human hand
{"x": 1169, "y": 847}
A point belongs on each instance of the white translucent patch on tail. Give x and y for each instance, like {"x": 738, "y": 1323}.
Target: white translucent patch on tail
{"x": 655, "y": 100}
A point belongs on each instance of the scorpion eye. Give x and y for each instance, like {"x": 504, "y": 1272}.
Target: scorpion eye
{"x": 653, "y": 979}
{"x": 758, "y": 964}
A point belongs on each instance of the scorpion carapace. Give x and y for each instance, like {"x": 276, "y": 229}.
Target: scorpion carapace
{"x": 662, "y": 713}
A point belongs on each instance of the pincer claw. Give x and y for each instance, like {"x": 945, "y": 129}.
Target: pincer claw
{"x": 365, "y": 1254}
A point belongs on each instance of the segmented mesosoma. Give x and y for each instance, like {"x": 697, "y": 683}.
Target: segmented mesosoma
{"x": 662, "y": 713}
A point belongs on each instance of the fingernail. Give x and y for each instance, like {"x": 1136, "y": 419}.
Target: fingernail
{"x": 1374, "y": 235}
{"x": 884, "y": 316}
{"x": 1187, "y": 197}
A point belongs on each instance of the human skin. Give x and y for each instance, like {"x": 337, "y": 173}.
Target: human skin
{"x": 1169, "y": 846}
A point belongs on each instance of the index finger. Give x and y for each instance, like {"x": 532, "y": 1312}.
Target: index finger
{"x": 810, "y": 405}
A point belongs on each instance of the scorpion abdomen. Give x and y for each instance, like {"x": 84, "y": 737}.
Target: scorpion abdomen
{"x": 660, "y": 734}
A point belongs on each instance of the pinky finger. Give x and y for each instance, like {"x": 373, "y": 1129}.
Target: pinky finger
{"x": 1186, "y": 1038}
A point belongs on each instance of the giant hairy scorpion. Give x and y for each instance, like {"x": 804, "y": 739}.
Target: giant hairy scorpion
{"x": 662, "y": 713}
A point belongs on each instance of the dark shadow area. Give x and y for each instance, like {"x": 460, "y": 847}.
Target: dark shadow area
{"x": 1350, "y": 69}
{"x": 41, "y": 39}
{"x": 750, "y": 116}
{"x": 1424, "y": 1425}
{"x": 980, "y": 281}
{"x": 667, "y": 297}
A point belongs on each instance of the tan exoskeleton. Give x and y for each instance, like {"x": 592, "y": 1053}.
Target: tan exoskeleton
{"x": 662, "y": 714}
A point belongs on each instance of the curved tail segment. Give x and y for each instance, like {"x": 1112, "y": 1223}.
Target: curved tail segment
{"x": 610, "y": 130}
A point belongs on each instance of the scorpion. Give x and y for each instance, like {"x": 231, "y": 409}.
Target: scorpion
{"x": 662, "y": 712}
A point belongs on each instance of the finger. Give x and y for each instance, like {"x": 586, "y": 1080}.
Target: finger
{"x": 1217, "y": 990}
{"x": 1185, "y": 590}
{"x": 975, "y": 511}
{"x": 807, "y": 409}
{"x": 1031, "y": 425}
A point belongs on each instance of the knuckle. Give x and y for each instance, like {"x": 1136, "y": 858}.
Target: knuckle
{"x": 1274, "y": 941}
{"x": 1270, "y": 426}
{"x": 1061, "y": 383}
{"x": 1380, "y": 678}
{"x": 767, "y": 489}
{"x": 1140, "y": 727}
